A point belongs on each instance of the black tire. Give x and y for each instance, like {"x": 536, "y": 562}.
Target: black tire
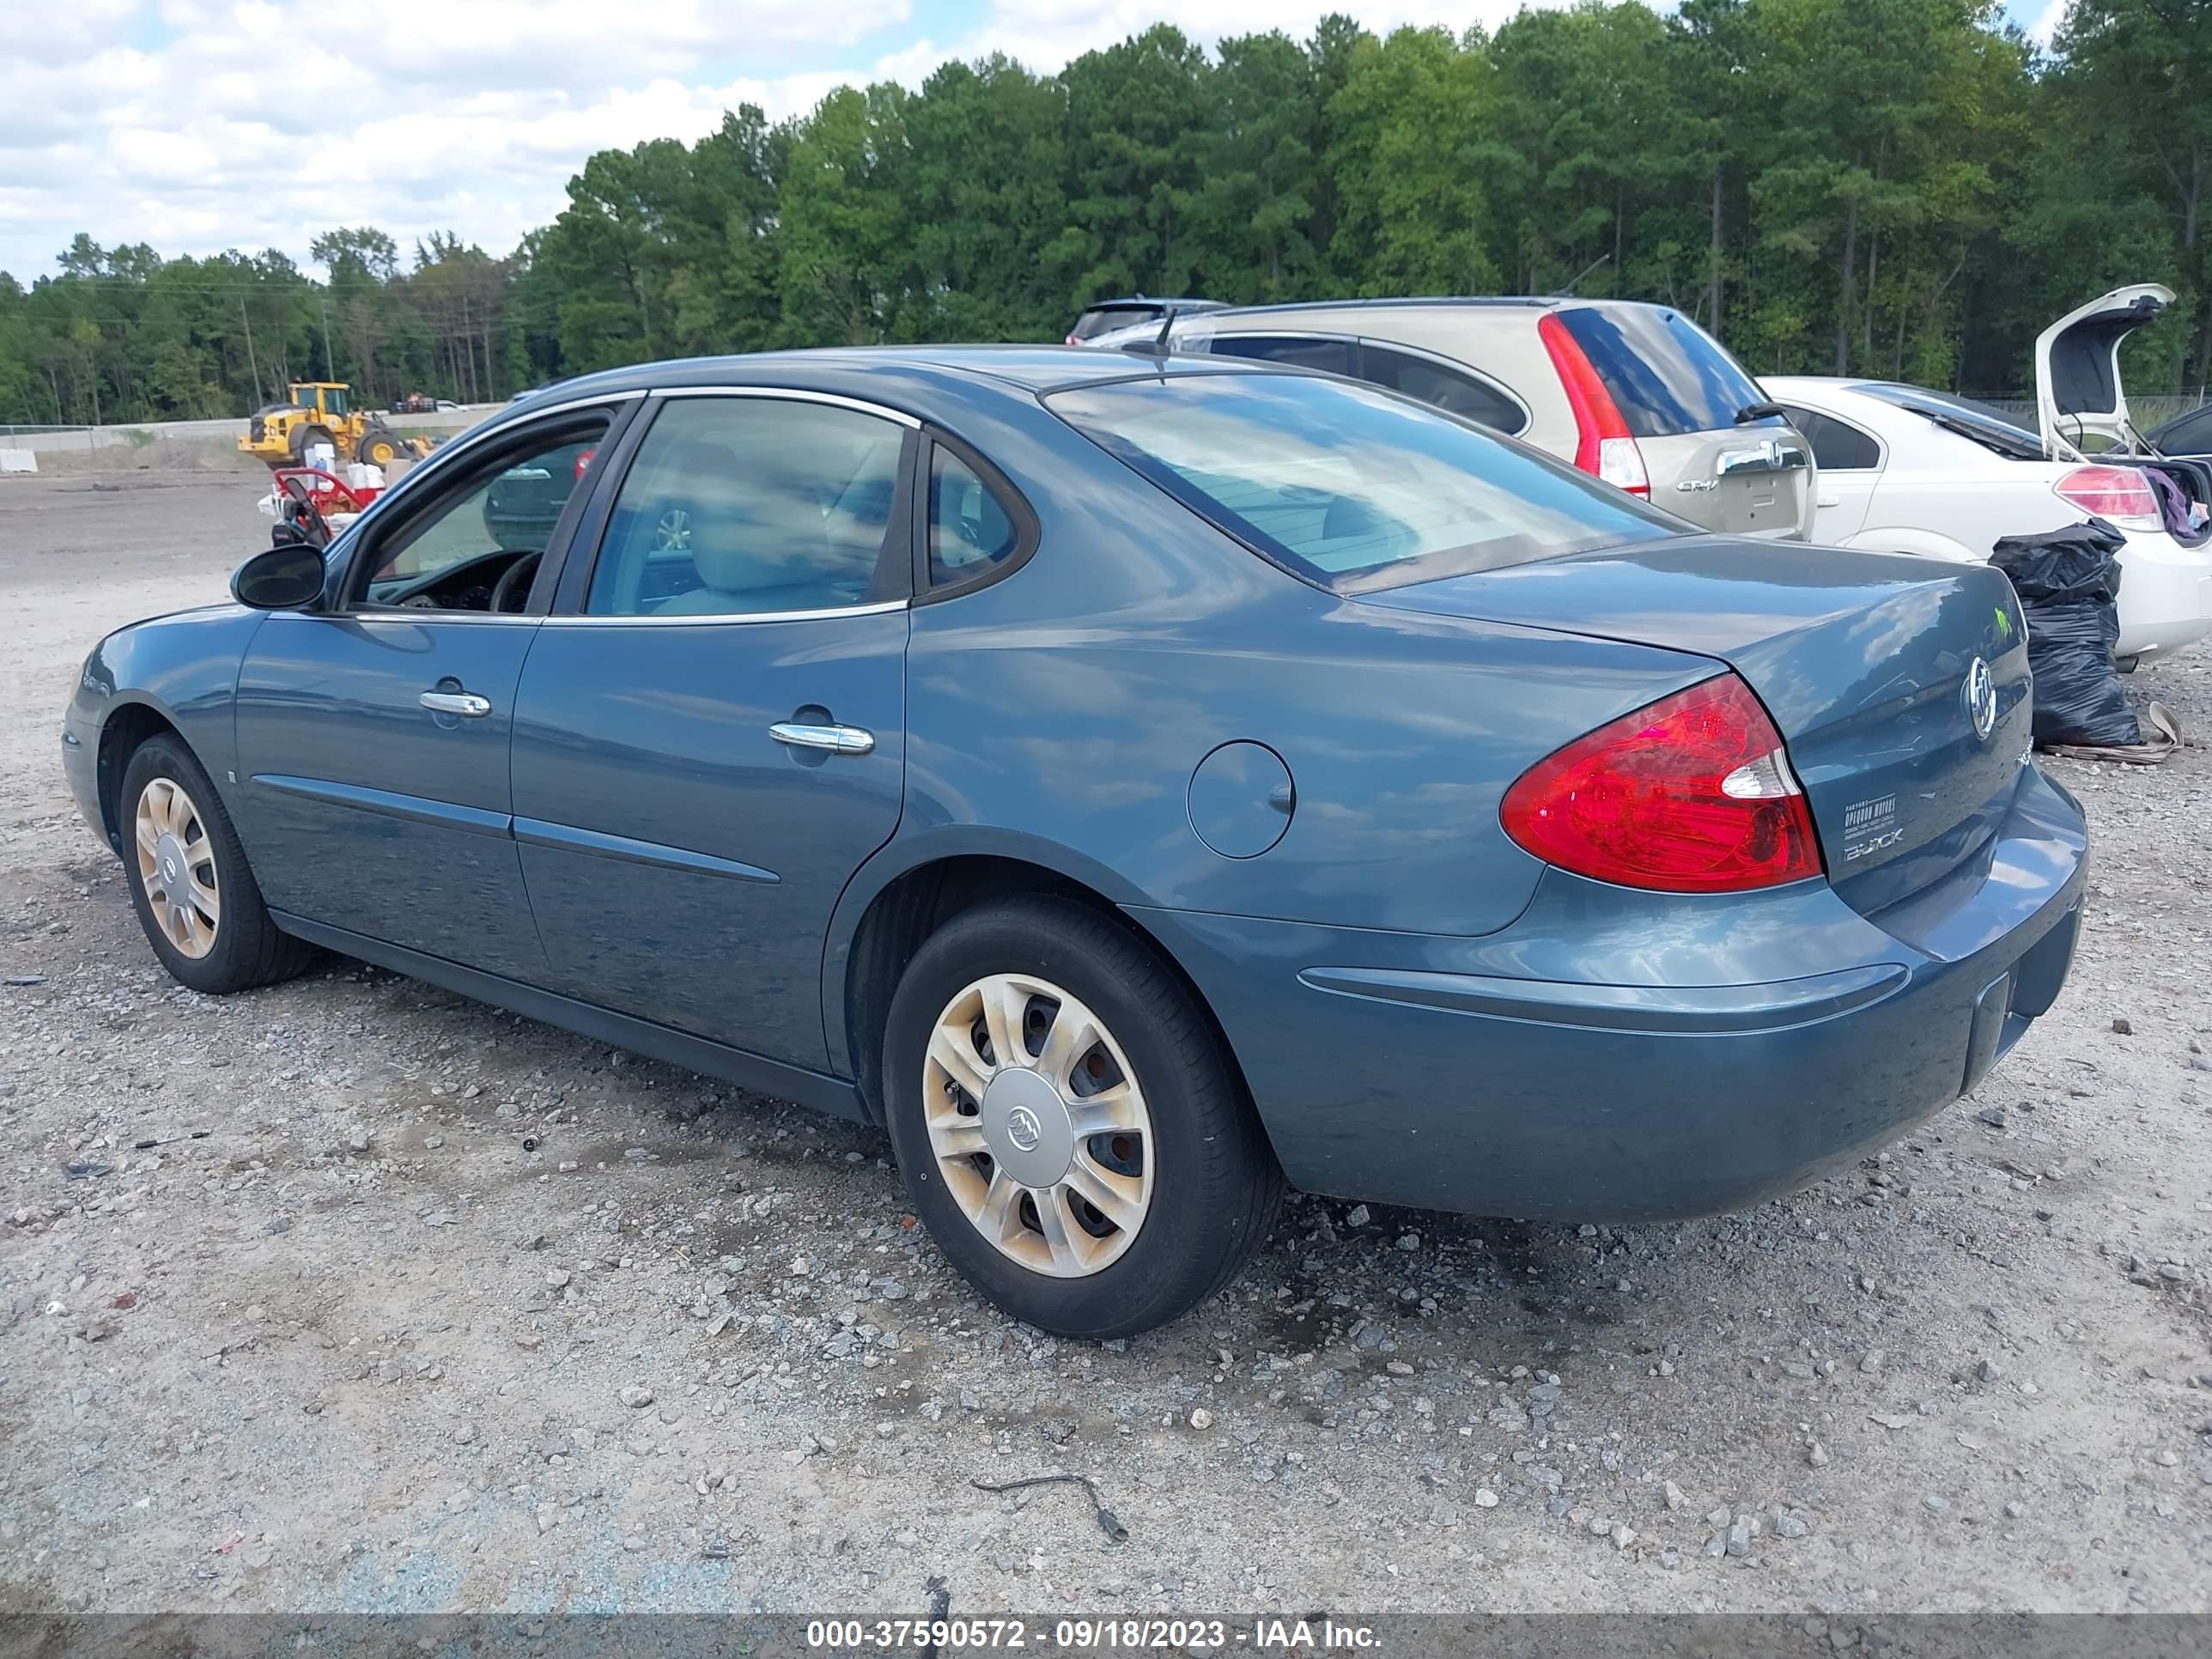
{"x": 379, "y": 447}
{"x": 1216, "y": 1185}
{"x": 248, "y": 951}
{"x": 303, "y": 437}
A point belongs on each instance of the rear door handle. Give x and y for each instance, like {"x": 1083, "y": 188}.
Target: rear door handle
{"x": 464, "y": 703}
{"x": 832, "y": 739}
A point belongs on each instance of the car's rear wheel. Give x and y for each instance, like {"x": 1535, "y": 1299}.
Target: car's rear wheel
{"x": 1066, "y": 1122}
{"x": 195, "y": 896}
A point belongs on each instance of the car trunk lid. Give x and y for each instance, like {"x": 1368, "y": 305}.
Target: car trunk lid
{"x": 2078, "y": 393}
{"x": 1749, "y": 481}
{"x": 1866, "y": 663}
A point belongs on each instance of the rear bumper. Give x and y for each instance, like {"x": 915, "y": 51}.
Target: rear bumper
{"x": 2165, "y": 595}
{"x": 1622, "y": 1056}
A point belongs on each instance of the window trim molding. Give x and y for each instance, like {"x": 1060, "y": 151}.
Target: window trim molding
{"x": 712, "y": 619}
{"x": 793, "y": 394}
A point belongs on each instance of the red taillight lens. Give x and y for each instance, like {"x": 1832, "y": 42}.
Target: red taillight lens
{"x": 1693, "y": 794}
{"x": 1604, "y": 447}
{"x": 2117, "y": 493}
{"x": 583, "y": 460}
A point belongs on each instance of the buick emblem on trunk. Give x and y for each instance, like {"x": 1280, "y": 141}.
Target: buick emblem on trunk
{"x": 1981, "y": 698}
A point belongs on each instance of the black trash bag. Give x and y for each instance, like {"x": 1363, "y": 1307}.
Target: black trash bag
{"x": 2069, "y": 581}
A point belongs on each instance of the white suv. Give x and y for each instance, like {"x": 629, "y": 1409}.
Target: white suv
{"x": 1638, "y": 394}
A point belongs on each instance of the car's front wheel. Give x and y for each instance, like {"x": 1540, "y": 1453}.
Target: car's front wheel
{"x": 195, "y": 896}
{"x": 1066, "y": 1122}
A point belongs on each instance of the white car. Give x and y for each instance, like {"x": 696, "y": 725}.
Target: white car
{"x": 1905, "y": 470}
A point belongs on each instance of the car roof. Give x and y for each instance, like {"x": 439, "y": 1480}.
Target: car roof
{"x": 1450, "y": 301}
{"x": 1035, "y": 368}
{"x": 1190, "y": 302}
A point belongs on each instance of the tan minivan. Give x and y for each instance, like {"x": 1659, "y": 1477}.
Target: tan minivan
{"x": 1638, "y": 394}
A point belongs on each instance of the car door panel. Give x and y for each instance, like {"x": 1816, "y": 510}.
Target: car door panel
{"x": 683, "y": 863}
{"x": 681, "y": 858}
{"x": 373, "y": 735}
{"x": 371, "y": 812}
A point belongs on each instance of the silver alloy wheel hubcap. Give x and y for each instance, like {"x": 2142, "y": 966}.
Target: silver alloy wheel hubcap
{"x": 1038, "y": 1126}
{"x": 176, "y": 863}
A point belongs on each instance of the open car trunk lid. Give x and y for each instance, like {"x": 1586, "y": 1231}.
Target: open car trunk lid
{"x": 1899, "y": 685}
{"x": 2077, "y": 369}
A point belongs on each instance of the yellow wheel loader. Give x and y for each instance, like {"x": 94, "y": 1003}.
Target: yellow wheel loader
{"x": 321, "y": 412}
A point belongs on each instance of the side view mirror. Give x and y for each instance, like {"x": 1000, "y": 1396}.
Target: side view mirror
{"x": 286, "y": 578}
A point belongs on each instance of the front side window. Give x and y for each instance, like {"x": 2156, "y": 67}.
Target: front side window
{"x": 748, "y": 505}
{"x": 477, "y": 520}
{"x": 970, "y": 528}
{"x": 1347, "y": 486}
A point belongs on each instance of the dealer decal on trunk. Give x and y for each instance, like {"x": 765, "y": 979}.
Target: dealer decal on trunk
{"x": 1870, "y": 826}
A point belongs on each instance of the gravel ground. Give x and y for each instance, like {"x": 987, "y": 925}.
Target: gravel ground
{"x": 440, "y": 1308}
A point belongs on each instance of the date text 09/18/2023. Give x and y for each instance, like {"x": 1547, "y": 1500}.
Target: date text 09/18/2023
{"x": 1092, "y": 1635}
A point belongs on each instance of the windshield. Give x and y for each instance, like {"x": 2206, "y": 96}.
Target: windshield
{"x": 1986, "y": 424}
{"x": 1349, "y": 486}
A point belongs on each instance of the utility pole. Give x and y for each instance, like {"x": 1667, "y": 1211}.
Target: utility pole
{"x": 250, "y": 363}
{"x": 330, "y": 363}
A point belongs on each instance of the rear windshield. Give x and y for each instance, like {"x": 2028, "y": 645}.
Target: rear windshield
{"x": 1986, "y": 424}
{"x": 1096, "y": 321}
{"x": 1667, "y": 375}
{"x": 1349, "y": 486}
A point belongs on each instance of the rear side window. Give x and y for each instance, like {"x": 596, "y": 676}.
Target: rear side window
{"x": 1667, "y": 376}
{"x": 1837, "y": 446}
{"x": 1449, "y": 389}
{"x": 1294, "y": 350}
{"x": 1348, "y": 487}
{"x": 969, "y": 527}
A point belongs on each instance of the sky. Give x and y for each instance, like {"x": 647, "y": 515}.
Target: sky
{"x": 197, "y": 126}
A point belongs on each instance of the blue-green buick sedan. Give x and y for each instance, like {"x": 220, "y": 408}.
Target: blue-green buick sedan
{"x": 1138, "y": 784}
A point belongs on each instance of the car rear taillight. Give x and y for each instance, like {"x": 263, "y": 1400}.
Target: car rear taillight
{"x": 1603, "y": 444}
{"x": 2121, "y": 494}
{"x": 583, "y": 460}
{"x": 1693, "y": 794}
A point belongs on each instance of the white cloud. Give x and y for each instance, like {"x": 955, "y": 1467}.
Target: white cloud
{"x": 198, "y": 126}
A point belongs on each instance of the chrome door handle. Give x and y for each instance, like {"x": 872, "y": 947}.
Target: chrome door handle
{"x": 464, "y": 703}
{"x": 834, "y": 739}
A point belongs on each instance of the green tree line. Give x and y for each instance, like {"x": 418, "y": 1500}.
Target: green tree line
{"x": 1906, "y": 188}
